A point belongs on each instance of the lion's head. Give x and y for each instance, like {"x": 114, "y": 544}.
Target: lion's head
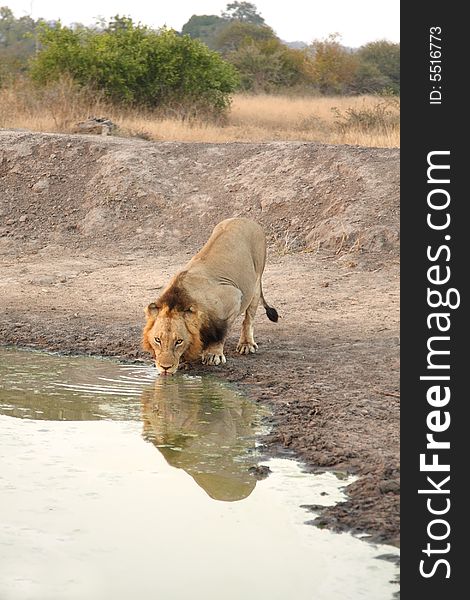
{"x": 171, "y": 332}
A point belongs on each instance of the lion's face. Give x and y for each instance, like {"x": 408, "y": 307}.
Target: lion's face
{"x": 169, "y": 339}
{"x": 168, "y": 336}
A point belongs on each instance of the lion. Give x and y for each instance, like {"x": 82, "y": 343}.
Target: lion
{"x": 194, "y": 313}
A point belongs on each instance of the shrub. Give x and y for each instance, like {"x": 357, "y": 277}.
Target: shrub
{"x": 383, "y": 117}
{"x": 137, "y": 66}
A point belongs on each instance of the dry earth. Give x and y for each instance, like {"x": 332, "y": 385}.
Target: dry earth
{"x": 92, "y": 227}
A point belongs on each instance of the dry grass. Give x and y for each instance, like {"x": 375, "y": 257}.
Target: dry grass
{"x": 364, "y": 120}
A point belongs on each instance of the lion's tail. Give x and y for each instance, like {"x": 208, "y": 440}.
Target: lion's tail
{"x": 270, "y": 311}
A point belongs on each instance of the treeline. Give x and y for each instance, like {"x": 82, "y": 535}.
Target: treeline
{"x": 17, "y": 43}
{"x": 267, "y": 64}
{"x": 195, "y": 70}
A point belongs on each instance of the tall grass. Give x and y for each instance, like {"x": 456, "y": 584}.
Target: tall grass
{"x": 362, "y": 120}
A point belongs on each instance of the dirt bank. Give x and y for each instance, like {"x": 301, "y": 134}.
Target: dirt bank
{"x": 92, "y": 227}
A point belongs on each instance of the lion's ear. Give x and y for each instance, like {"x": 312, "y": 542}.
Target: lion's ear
{"x": 151, "y": 310}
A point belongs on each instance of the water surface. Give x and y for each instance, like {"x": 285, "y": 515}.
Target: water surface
{"x": 118, "y": 484}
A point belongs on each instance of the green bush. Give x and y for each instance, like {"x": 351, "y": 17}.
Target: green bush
{"x": 136, "y": 65}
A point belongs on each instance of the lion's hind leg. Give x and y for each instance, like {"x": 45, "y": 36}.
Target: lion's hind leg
{"x": 246, "y": 343}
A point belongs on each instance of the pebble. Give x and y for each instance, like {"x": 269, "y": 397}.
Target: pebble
{"x": 41, "y": 185}
{"x": 42, "y": 280}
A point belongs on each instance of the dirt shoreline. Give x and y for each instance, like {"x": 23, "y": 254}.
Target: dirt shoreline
{"x": 91, "y": 229}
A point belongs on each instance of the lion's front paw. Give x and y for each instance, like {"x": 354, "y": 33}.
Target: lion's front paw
{"x": 247, "y": 347}
{"x": 213, "y": 359}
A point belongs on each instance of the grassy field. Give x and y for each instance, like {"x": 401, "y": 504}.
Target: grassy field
{"x": 361, "y": 120}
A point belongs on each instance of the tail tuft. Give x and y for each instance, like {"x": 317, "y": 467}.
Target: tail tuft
{"x": 272, "y": 313}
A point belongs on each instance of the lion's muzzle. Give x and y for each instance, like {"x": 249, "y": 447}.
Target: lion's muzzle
{"x": 165, "y": 369}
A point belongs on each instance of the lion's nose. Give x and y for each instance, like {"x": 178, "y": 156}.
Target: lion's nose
{"x": 166, "y": 368}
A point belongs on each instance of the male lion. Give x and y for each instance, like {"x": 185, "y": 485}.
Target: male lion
{"x": 192, "y": 316}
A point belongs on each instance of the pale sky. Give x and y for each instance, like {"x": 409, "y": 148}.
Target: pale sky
{"x": 357, "y": 21}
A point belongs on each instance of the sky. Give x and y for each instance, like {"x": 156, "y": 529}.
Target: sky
{"x": 357, "y": 21}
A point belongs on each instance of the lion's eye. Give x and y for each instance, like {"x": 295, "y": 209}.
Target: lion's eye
{"x": 157, "y": 340}
{"x": 178, "y": 342}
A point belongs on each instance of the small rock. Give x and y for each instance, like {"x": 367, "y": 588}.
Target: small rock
{"x": 23, "y": 218}
{"x": 96, "y": 125}
{"x": 260, "y": 471}
{"x": 41, "y": 186}
{"x": 313, "y": 507}
{"x": 44, "y": 280}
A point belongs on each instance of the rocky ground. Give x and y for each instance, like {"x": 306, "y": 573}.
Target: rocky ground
{"x": 92, "y": 227}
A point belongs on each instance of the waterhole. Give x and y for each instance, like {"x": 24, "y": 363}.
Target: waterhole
{"x": 116, "y": 483}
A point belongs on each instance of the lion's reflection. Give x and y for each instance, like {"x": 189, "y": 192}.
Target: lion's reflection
{"x": 205, "y": 429}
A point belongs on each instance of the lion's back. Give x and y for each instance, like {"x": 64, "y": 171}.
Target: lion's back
{"x": 236, "y": 241}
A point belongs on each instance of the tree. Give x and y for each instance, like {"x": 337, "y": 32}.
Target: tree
{"x": 246, "y": 12}
{"x": 241, "y": 35}
{"x": 204, "y": 28}
{"x": 334, "y": 68}
{"x": 237, "y": 33}
{"x": 208, "y": 28}
{"x": 262, "y": 60}
{"x": 369, "y": 80}
{"x": 269, "y": 66}
{"x": 17, "y": 42}
{"x": 136, "y": 65}
{"x": 258, "y": 70}
{"x": 382, "y": 60}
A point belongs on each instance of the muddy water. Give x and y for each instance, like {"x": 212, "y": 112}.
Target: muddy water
{"x": 115, "y": 483}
